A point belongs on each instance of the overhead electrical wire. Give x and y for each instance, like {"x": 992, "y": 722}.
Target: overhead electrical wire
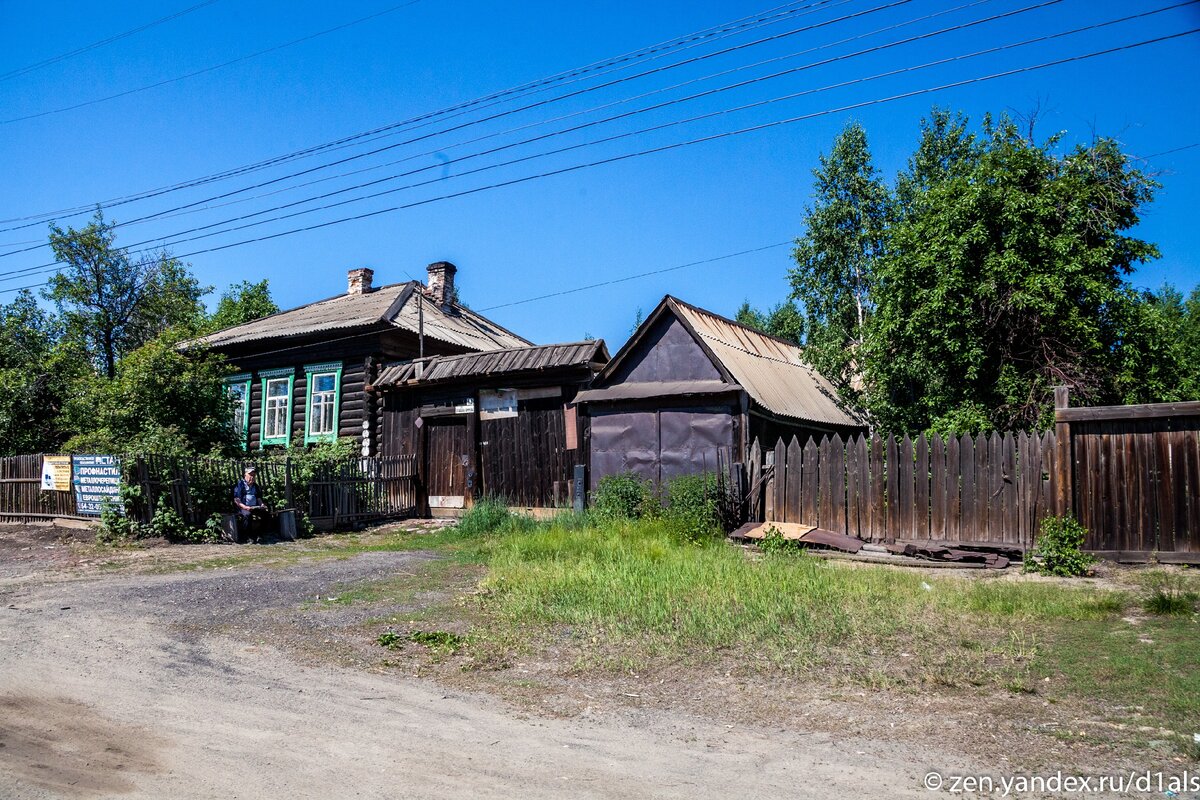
{"x": 195, "y": 206}
{"x": 460, "y": 126}
{"x": 102, "y": 43}
{"x": 159, "y": 242}
{"x": 695, "y": 141}
{"x": 212, "y": 68}
{"x": 627, "y": 278}
{"x": 169, "y": 214}
{"x": 771, "y": 16}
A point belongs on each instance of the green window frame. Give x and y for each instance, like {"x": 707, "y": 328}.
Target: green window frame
{"x": 323, "y": 404}
{"x": 241, "y": 427}
{"x": 270, "y": 411}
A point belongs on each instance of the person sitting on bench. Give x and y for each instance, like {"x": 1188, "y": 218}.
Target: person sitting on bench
{"x": 249, "y": 502}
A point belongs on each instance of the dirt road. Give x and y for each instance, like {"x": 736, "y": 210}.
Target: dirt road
{"x": 156, "y": 686}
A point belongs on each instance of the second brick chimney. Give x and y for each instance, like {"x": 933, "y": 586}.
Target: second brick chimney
{"x": 359, "y": 280}
{"x": 441, "y": 283}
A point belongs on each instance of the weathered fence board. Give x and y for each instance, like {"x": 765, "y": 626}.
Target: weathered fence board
{"x": 1134, "y": 484}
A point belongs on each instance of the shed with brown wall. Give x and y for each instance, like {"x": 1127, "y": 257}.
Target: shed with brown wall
{"x": 500, "y": 423}
{"x": 690, "y": 387}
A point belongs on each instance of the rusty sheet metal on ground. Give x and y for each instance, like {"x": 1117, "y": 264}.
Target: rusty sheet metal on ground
{"x": 806, "y": 534}
{"x": 935, "y": 553}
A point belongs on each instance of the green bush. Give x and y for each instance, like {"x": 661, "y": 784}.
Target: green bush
{"x": 623, "y": 497}
{"x": 773, "y": 544}
{"x": 693, "y": 507}
{"x": 1057, "y": 550}
{"x": 115, "y": 527}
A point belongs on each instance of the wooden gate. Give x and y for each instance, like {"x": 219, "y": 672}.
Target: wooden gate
{"x": 1135, "y": 479}
{"x": 448, "y": 477}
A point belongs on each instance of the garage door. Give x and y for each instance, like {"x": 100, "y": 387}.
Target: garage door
{"x": 659, "y": 444}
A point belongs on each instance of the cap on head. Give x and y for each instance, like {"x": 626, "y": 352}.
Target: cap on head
{"x": 251, "y": 471}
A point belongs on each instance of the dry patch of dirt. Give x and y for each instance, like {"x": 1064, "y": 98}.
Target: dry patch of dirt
{"x": 67, "y": 748}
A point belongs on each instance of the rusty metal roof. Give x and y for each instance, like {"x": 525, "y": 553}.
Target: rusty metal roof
{"x": 393, "y": 306}
{"x": 772, "y": 371}
{"x": 642, "y": 390}
{"x": 508, "y": 361}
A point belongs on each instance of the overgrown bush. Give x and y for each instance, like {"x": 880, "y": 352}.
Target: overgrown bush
{"x": 115, "y": 527}
{"x": 1057, "y": 550}
{"x": 624, "y": 497}
{"x": 693, "y": 507}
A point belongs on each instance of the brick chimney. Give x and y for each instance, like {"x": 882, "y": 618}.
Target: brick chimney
{"x": 440, "y": 285}
{"x": 359, "y": 280}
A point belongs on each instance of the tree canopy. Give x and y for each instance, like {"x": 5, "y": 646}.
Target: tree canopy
{"x": 112, "y": 303}
{"x": 995, "y": 268}
{"x": 241, "y": 303}
{"x": 99, "y": 368}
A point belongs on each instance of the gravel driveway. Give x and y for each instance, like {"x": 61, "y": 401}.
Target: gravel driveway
{"x": 156, "y": 686}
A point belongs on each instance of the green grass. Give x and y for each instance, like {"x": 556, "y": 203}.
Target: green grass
{"x": 631, "y": 594}
{"x": 1154, "y": 666}
{"x": 636, "y": 581}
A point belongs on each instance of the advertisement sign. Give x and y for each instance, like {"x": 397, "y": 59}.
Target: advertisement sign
{"x": 56, "y": 473}
{"x": 96, "y": 479}
{"x": 497, "y": 403}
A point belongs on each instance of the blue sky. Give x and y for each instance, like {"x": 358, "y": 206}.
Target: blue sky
{"x": 550, "y": 234}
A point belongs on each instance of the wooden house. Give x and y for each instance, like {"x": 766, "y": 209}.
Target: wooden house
{"x": 499, "y": 423}
{"x": 690, "y": 384}
{"x": 302, "y": 373}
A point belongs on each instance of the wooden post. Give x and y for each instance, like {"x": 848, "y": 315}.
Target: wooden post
{"x": 287, "y": 482}
{"x": 1063, "y": 468}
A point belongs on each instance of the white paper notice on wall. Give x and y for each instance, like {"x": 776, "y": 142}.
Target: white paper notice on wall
{"x": 497, "y": 403}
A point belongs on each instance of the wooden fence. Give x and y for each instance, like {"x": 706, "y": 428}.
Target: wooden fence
{"x": 1129, "y": 474}
{"x": 1134, "y": 478}
{"x": 986, "y": 491}
{"x": 21, "y": 495}
{"x": 330, "y": 493}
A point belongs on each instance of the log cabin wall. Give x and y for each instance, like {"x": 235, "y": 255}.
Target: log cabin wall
{"x": 359, "y": 357}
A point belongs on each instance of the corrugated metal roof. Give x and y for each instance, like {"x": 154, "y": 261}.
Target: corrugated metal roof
{"x": 495, "y": 362}
{"x": 394, "y": 305}
{"x": 772, "y": 371}
{"x": 641, "y": 390}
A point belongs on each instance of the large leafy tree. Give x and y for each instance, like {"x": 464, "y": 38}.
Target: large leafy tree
{"x": 37, "y": 372}
{"x": 242, "y": 302}
{"x": 836, "y": 257}
{"x": 110, "y": 302}
{"x": 1005, "y": 275}
{"x": 162, "y": 400}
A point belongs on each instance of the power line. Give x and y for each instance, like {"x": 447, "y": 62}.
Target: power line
{"x": 661, "y": 126}
{"x": 222, "y": 65}
{"x": 705, "y": 139}
{"x": 195, "y": 206}
{"x": 183, "y": 211}
{"x": 1172, "y": 150}
{"x": 103, "y": 42}
{"x": 635, "y": 277}
{"x": 699, "y": 140}
{"x": 690, "y": 40}
{"x": 510, "y": 112}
